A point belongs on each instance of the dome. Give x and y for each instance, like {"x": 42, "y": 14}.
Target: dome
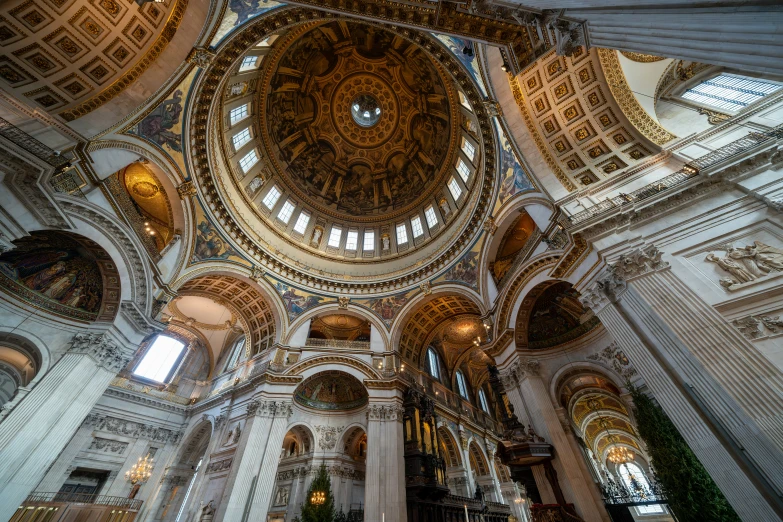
{"x": 331, "y": 390}
{"x": 346, "y": 150}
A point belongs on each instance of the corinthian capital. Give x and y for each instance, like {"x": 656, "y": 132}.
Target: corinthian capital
{"x": 639, "y": 262}
{"x": 270, "y": 408}
{"x": 103, "y": 351}
{"x": 518, "y": 371}
{"x": 385, "y": 412}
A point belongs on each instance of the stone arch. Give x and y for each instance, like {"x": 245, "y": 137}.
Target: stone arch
{"x": 354, "y": 441}
{"x": 478, "y": 461}
{"x": 346, "y": 363}
{"x": 23, "y": 362}
{"x": 353, "y": 310}
{"x": 258, "y": 311}
{"x": 195, "y": 443}
{"x": 331, "y": 391}
{"x": 298, "y": 440}
{"x": 452, "y": 454}
{"x": 63, "y": 273}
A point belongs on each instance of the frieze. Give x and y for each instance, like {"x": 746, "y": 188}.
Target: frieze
{"x": 132, "y": 429}
{"x": 639, "y": 262}
{"x": 220, "y": 465}
{"x": 108, "y": 445}
{"x": 102, "y": 350}
{"x": 270, "y": 408}
{"x": 390, "y": 412}
{"x": 755, "y": 327}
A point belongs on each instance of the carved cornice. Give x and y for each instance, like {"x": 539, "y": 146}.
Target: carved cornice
{"x": 627, "y": 101}
{"x": 568, "y": 262}
{"x": 271, "y": 409}
{"x": 103, "y": 351}
{"x": 385, "y": 412}
{"x": 141, "y": 398}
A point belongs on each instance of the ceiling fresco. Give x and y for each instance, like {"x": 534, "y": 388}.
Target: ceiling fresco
{"x": 332, "y": 390}
{"x": 330, "y": 158}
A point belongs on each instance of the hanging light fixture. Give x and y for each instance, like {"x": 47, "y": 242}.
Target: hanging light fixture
{"x": 617, "y": 454}
{"x": 141, "y": 471}
{"x": 620, "y": 455}
{"x": 318, "y": 498}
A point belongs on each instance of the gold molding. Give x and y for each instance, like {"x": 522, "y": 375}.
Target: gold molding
{"x": 641, "y": 57}
{"x": 627, "y": 101}
{"x": 519, "y": 97}
{"x": 133, "y": 74}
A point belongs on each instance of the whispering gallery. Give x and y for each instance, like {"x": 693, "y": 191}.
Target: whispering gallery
{"x": 391, "y": 261}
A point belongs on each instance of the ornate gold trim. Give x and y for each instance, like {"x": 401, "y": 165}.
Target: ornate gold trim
{"x": 519, "y": 97}
{"x": 124, "y": 81}
{"x": 641, "y": 57}
{"x": 628, "y": 103}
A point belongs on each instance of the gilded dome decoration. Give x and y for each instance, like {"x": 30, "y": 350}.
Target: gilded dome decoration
{"x": 332, "y": 390}
{"x": 358, "y": 119}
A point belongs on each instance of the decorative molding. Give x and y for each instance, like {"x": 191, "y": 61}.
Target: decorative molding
{"x": 639, "y": 262}
{"x": 132, "y": 429}
{"x": 755, "y": 327}
{"x": 627, "y": 101}
{"x": 272, "y": 409}
{"x": 568, "y": 262}
{"x": 518, "y": 372}
{"x": 200, "y": 57}
{"x": 641, "y": 58}
{"x": 103, "y": 351}
{"x": 385, "y": 412}
{"x": 613, "y": 357}
{"x": 108, "y": 445}
{"x": 220, "y": 465}
{"x": 328, "y": 436}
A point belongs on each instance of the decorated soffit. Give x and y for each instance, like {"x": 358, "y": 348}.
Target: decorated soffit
{"x": 331, "y": 391}
{"x": 603, "y": 423}
{"x": 307, "y": 270}
{"x": 340, "y": 326}
{"x": 70, "y": 57}
{"x": 552, "y": 315}
{"x": 454, "y": 340}
{"x": 151, "y": 200}
{"x": 514, "y": 240}
{"x": 580, "y": 126}
{"x": 592, "y": 402}
{"x": 581, "y": 381}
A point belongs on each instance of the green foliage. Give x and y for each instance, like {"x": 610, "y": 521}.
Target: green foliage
{"x": 323, "y": 512}
{"x": 690, "y": 490}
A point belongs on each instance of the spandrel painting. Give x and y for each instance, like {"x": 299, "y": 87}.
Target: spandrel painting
{"x": 297, "y": 301}
{"x": 210, "y": 245}
{"x": 239, "y": 12}
{"x": 513, "y": 178}
{"x": 465, "y": 51}
{"x": 388, "y": 307}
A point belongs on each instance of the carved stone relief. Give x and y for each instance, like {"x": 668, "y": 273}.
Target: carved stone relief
{"x": 613, "y": 357}
{"x": 328, "y": 435}
{"x": 108, "y": 445}
{"x": 132, "y": 429}
{"x": 755, "y": 327}
{"x": 747, "y": 264}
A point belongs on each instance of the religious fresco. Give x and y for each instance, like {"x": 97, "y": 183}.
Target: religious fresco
{"x": 331, "y": 390}
{"x": 239, "y": 12}
{"x": 297, "y": 301}
{"x": 513, "y": 177}
{"x": 387, "y": 307}
{"x": 50, "y": 268}
{"x": 514, "y": 240}
{"x": 209, "y": 244}
{"x": 163, "y": 125}
{"x": 469, "y": 60}
{"x": 351, "y": 167}
{"x": 465, "y": 270}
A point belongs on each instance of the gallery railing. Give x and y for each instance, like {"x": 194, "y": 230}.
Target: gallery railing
{"x": 616, "y": 494}
{"x": 682, "y": 176}
{"x": 337, "y": 343}
{"x": 61, "y": 507}
{"x": 19, "y": 137}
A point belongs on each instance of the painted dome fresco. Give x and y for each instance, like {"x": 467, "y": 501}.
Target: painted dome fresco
{"x": 331, "y": 390}
{"x": 347, "y": 150}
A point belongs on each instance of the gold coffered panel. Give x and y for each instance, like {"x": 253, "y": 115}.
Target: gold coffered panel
{"x": 72, "y": 57}
{"x": 574, "y": 120}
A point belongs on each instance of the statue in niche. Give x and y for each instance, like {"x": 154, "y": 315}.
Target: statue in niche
{"x": 237, "y": 434}
{"x": 748, "y": 263}
{"x": 207, "y": 513}
{"x": 317, "y": 233}
{"x": 385, "y": 241}
{"x": 281, "y": 497}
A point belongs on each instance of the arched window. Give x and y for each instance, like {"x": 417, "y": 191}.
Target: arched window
{"x": 483, "y": 401}
{"x": 461, "y": 386}
{"x": 729, "y": 92}
{"x": 236, "y": 353}
{"x": 160, "y": 359}
{"x": 636, "y": 482}
{"x": 433, "y": 363}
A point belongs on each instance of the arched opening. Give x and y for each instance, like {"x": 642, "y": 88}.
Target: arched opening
{"x": 20, "y": 362}
{"x": 552, "y": 315}
{"x": 339, "y": 330}
{"x": 62, "y": 273}
{"x": 147, "y": 204}
{"x": 513, "y": 247}
{"x": 455, "y": 470}
{"x": 331, "y": 391}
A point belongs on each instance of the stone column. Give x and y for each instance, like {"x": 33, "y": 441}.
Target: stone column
{"x": 642, "y": 305}
{"x": 62, "y": 468}
{"x": 265, "y": 484}
{"x": 250, "y": 455}
{"x": 465, "y": 448}
{"x": 38, "y": 428}
{"x": 385, "y": 474}
{"x": 525, "y": 376}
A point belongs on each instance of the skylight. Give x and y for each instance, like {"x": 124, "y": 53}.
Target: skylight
{"x": 369, "y": 240}
{"x": 432, "y": 218}
{"x": 285, "y": 213}
{"x": 271, "y": 198}
{"x": 416, "y": 226}
{"x": 334, "y": 237}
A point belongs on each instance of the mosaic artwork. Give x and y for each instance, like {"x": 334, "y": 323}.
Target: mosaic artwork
{"x": 388, "y": 307}
{"x": 457, "y": 46}
{"x": 239, "y": 12}
{"x": 513, "y": 176}
{"x": 162, "y": 126}
{"x": 331, "y": 390}
{"x": 209, "y": 244}
{"x": 55, "y": 268}
{"x": 296, "y": 301}
{"x": 465, "y": 270}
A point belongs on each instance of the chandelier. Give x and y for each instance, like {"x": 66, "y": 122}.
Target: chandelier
{"x": 620, "y": 455}
{"x": 318, "y": 498}
{"x": 141, "y": 471}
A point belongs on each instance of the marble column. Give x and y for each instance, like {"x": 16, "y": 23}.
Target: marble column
{"x": 385, "y": 468}
{"x": 62, "y": 468}
{"x": 470, "y": 484}
{"x": 267, "y": 475}
{"x": 525, "y": 376}
{"x": 642, "y": 305}
{"x": 38, "y": 428}
{"x": 252, "y": 452}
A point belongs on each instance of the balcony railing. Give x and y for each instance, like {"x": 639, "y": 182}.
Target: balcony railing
{"x": 682, "y": 176}
{"x": 337, "y": 343}
{"x": 57, "y": 507}
{"x": 12, "y": 133}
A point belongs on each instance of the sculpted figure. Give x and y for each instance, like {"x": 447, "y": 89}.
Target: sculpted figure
{"x": 766, "y": 256}
{"x": 739, "y": 272}
{"x": 746, "y": 258}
